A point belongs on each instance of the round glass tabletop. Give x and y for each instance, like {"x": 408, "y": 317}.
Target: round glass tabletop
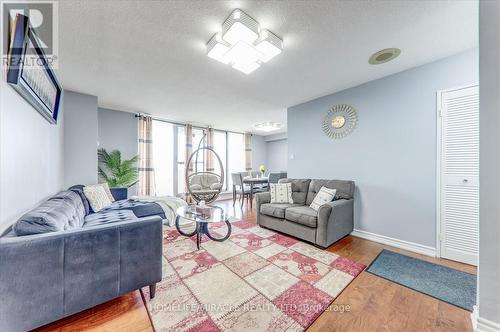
{"x": 205, "y": 214}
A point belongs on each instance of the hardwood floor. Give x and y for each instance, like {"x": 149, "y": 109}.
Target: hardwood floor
{"x": 374, "y": 304}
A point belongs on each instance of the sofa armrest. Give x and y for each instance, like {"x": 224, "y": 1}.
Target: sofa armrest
{"x": 61, "y": 273}
{"x": 261, "y": 198}
{"x": 335, "y": 220}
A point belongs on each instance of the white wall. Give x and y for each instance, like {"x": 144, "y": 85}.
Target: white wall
{"x": 489, "y": 226}
{"x": 277, "y": 155}
{"x": 31, "y": 155}
{"x": 259, "y": 152}
{"x": 270, "y": 151}
{"x": 80, "y": 139}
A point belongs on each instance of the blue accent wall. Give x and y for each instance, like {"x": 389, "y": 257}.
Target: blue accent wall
{"x": 391, "y": 154}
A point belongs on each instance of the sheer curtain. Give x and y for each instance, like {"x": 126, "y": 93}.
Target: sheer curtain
{"x": 248, "y": 152}
{"x": 145, "y": 145}
{"x": 209, "y": 154}
{"x": 188, "y": 166}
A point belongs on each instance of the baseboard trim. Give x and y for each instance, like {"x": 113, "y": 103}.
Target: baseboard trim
{"x": 484, "y": 325}
{"x": 474, "y": 316}
{"x": 406, "y": 245}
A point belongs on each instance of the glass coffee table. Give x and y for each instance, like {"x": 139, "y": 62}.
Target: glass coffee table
{"x": 203, "y": 217}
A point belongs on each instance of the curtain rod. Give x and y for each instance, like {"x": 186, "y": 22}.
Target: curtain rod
{"x": 183, "y": 124}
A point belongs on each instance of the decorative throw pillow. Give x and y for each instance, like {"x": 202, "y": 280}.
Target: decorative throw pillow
{"x": 97, "y": 197}
{"x": 108, "y": 192}
{"x": 281, "y": 193}
{"x": 216, "y": 186}
{"x": 323, "y": 196}
{"x": 195, "y": 187}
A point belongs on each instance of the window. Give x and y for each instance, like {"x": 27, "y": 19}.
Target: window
{"x": 200, "y": 158}
{"x": 169, "y": 153}
{"x": 236, "y": 153}
{"x": 181, "y": 155}
{"x": 220, "y": 147}
{"x": 163, "y": 157}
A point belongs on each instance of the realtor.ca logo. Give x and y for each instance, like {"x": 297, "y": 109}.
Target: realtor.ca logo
{"x": 42, "y": 19}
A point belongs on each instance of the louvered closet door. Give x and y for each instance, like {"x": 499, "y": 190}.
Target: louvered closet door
{"x": 460, "y": 175}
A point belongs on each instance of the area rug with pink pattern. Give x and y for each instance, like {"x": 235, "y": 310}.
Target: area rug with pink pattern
{"x": 257, "y": 280}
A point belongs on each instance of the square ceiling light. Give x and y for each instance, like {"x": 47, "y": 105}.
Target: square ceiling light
{"x": 217, "y": 48}
{"x": 246, "y": 67}
{"x": 243, "y": 44}
{"x": 243, "y": 52}
{"x": 240, "y": 27}
{"x": 269, "y": 45}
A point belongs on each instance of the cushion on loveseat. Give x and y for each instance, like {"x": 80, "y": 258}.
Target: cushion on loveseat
{"x": 345, "y": 189}
{"x": 299, "y": 189}
{"x": 276, "y": 210}
{"x": 303, "y": 215}
{"x": 60, "y": 212}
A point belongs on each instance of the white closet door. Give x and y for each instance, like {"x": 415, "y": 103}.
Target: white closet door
{"x": 459, "y": 180}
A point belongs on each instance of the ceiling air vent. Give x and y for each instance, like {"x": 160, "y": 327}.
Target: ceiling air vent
{"x": 384, "y": 56}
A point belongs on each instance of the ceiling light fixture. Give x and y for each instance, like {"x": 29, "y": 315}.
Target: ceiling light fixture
{"x": 243, "y": 44}
{"x": 267, "y": 126}
{"x": 216, "y": 49}
{"x": 384, "y": 56}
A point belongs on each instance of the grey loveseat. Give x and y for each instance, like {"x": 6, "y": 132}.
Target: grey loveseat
{"x": 60, "y": 259}
{"x": 333, "y": 220}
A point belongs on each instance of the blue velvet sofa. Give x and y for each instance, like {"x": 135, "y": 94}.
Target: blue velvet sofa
{"x": 61, "y": 258}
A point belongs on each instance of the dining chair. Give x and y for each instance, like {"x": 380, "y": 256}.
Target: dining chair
{"x": 239, "y": 188}
{"x": 274, "y": 177}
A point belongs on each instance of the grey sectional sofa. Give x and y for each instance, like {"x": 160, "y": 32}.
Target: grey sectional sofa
{"x": 68, "y": 259}
{"x": 332, "y": 222}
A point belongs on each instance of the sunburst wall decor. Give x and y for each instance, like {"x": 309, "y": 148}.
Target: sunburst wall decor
{"x": 340, "y": 121}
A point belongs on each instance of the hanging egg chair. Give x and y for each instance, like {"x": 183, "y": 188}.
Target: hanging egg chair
{"x": 204, "y": 184}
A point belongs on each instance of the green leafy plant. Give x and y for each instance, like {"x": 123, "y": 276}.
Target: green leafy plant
{"x": 115, "y": 171}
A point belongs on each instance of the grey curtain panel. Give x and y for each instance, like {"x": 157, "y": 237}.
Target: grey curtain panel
{"x": 248, "y": 152}
{"x": 189, "y": 167}
{"x": 145, "y": 144}
{"x": 209, "y": 155}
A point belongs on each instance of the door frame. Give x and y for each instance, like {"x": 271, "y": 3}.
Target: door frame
{"x": 439, "y": 125}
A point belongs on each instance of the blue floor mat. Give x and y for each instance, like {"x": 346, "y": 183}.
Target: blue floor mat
{"x": 441, "y": 282}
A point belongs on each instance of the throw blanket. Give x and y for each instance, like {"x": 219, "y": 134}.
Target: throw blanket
{"x": 169, "y": 204}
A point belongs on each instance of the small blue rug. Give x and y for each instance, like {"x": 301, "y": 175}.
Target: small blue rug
{"x": 441, "y": 282}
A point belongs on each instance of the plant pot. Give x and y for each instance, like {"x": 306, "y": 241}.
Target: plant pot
{"x": 119, "y": 193}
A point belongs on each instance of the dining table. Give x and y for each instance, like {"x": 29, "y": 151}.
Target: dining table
{"x": 252, "y": 181}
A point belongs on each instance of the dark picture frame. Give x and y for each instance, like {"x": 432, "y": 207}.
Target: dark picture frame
{"x": 29, "y": 72}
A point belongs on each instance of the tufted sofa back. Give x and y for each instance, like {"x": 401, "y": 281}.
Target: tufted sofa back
{"x": 299, "y": 189}
{"x": 345, "y": 189}
{"x": 60, "y": 212}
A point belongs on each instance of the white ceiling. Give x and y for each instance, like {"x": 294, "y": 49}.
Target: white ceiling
{"x": 149, "y": 56}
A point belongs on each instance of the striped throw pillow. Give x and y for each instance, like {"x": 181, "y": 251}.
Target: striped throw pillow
{"x": 281, "y": 193}
{"x": 323, "y": 196}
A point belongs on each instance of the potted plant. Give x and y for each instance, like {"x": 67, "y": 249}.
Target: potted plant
{"x": 119, "y": 174}
{"x": 262, "y": 169}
